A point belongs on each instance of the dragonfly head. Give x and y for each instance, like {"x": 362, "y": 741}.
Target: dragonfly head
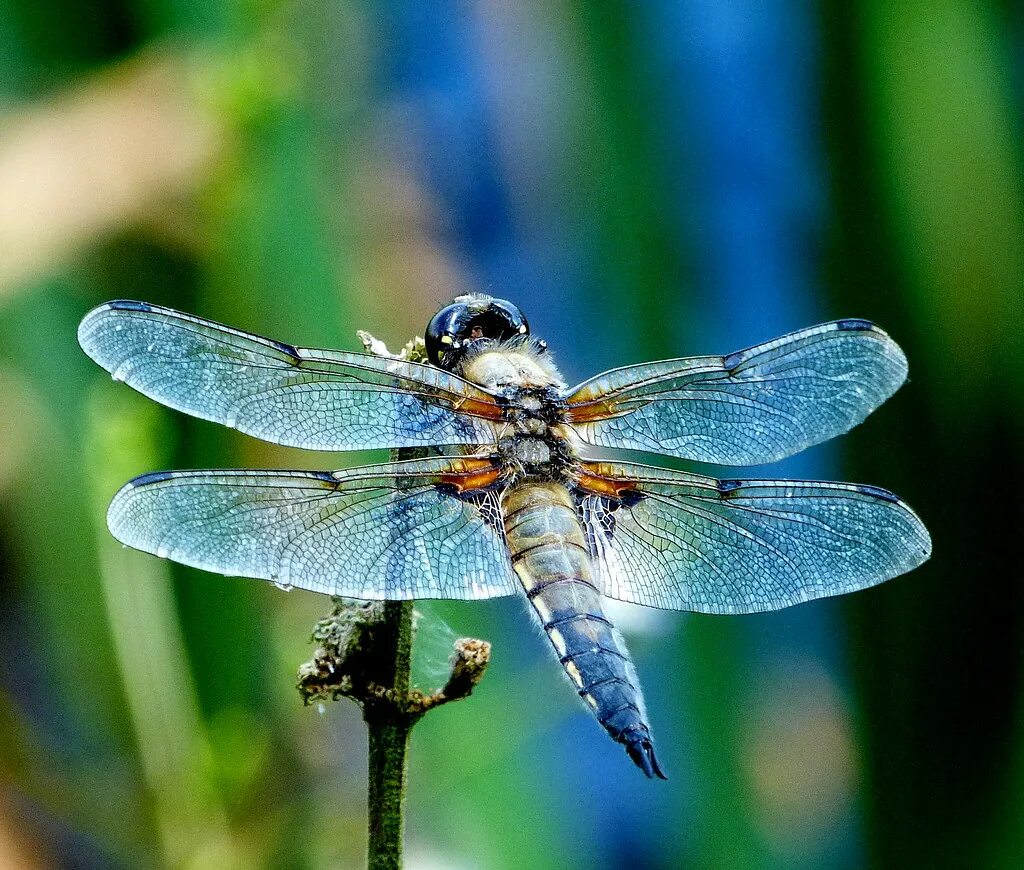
{"x": 467, "y": 319}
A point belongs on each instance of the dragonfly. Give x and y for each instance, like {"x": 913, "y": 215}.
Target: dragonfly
{"x": 510, "y": 502}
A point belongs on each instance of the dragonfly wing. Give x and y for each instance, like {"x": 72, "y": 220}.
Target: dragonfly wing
{"x": 688, "y": 542}
{"x": 748, "y": 408}
{"x": 416, "y": 529}
{"x": 315, "y": 399}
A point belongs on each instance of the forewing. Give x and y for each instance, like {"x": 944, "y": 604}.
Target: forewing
{"x": 751, "y": 407}
{"x": 315, "y": 399}
{"x": 417, "y": 529}
{"x": 687, "y": 542}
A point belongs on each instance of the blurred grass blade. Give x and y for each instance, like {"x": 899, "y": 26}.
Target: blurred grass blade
{"x": 170, "y": 735}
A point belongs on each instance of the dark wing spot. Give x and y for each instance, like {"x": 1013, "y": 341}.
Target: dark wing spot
{"x": 733, "y": 360}
{"x": 877, "y": 492}
{"x": 630, "y": 497}
{"x": 129, "y": 305}
{"x": 854, "y": 324}
{"x": 152, "y": 477}
{"x": 288, "y": 349}
{"x": 727, "y": 486}
{"x": 326, "y": 478}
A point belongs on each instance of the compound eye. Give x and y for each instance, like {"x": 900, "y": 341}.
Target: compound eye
{"x": 500, "y": 320}
{"x": 466, "y": 320}
{"x": 440, "y": 333}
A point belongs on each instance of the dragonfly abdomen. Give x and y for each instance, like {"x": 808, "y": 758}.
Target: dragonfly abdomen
{"x": 550, "y": 556}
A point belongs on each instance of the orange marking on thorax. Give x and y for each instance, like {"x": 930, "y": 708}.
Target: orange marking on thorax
{"x": 594, "y": 481}
{"x": 591, "y": 411}
{"x": 479, "y": 408}
{"x": 471, "y": 474}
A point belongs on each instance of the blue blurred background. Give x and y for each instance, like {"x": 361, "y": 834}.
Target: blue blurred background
{"x": 644, "y": 180}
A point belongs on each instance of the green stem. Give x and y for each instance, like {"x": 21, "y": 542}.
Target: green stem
{"x": 389, "y": 725}
{"x": 386, "y": 794}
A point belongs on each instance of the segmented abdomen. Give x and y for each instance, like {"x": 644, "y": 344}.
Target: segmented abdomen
{"x": 550, "y": 556}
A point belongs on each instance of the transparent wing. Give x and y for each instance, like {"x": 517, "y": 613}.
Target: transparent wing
{"x": 417, "y": 529}
{"x": 315, "y": 399}
{"x": 687, "y": 542}
{"x": 751, "y": 407}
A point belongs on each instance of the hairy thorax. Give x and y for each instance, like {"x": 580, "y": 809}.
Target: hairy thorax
{"x": 533, "y": 443}
{"x": 518, "y": 367}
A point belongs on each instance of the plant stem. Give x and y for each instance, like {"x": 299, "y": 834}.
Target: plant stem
{"x": 386, "y": 795}
{"x": 389, "y": 726}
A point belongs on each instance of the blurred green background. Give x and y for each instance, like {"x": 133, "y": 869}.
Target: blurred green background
{"x": 645, "y": 180}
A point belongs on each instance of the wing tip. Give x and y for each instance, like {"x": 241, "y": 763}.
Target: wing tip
{"x": 117, "y": 506}
{"x": 87, "y": 324}
{"x": 925, "y": 552}
{"x": 915, "y": 556}
{"x": 119, "y": 305}
{"x": 862, "y": 325}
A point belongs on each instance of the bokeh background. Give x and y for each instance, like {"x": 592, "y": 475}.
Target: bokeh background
{"x": 645, "y": 180}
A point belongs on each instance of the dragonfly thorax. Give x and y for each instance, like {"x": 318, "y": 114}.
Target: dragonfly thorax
{"x": 531, "y": 451}
{"x": 546, "y": 456}
{"x": 519, "y": 365}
